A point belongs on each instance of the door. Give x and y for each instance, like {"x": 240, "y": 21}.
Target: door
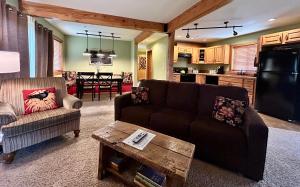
{"x": 272, "y": 39}
{"x": 219, "y": 54}
{"x": 149, "y": 64}
{"x": 210, "y": 55}
{"x": 291, "y": 36}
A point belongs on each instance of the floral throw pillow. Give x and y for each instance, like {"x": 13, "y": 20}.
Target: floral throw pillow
{"x": 229, "y": 111}
{"x": 140, "y": 95}
{"x": 39, "y": 100}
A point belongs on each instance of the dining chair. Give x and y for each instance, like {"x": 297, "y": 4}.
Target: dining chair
{"x": 87, "y": 82}
{"x": 104, "y": 83}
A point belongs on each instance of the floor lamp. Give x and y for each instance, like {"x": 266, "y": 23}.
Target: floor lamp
{"x": 9, "y": 62}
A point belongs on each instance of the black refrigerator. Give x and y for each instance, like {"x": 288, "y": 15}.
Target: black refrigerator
{"x": 278, "y": 90}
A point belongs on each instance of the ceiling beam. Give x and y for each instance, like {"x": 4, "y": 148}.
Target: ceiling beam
{"x": 74, "y": 15}
{"x": 197, "y": 11}
{"x": 141, "y": 37}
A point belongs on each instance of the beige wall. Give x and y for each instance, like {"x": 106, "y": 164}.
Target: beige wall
{"x": 75, "y": 61}
{"x": 160, "y": 58}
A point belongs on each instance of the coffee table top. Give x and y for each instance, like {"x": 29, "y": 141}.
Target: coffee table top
{"x": 164, "y": 153}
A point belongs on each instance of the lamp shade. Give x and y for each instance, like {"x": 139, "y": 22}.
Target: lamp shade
{"x": 9, "y": 62}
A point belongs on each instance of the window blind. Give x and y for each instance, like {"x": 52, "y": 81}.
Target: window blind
{"x": 243, "y": 57}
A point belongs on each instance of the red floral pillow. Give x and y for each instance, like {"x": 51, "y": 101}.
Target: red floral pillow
{"x": 39, "y": 100}
{"x": 140, "y": 95}
{"x": 229, "y": 111}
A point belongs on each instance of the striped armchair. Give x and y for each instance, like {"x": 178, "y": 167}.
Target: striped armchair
{"x": 19, "y": 131}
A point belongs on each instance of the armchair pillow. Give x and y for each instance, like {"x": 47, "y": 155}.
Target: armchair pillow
{"x": 7, "y": 114}
{"x": 229, "y": 111}
{"x": 140, "y": 95}
{"x": 39, "y": 100}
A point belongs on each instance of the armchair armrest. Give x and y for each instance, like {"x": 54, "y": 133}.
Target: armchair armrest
{"x": 257, "y": 137}
{"x": 71, "y": 102}
{"x": 7, "y": 114}
{"x": 121, "y": 102}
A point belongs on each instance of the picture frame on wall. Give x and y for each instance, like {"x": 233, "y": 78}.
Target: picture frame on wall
{"x": 102, "y": 61}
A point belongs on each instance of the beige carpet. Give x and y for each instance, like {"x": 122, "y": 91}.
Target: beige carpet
{"x": 66, "y": 161}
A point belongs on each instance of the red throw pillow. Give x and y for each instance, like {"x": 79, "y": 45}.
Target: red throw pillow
{"x": 38, "y": 100}
{"x": 140, "y": 95}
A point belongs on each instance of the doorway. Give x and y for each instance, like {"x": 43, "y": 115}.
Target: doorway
{"x": 149, "y": 64}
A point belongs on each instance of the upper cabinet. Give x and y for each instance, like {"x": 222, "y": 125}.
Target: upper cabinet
{"x": 272, "y": 39}
{"x": 286, "y": 37}
{"x": 291, "y": 36}
{"x": 217, "y": 54}
{"x": 195, "y": 56}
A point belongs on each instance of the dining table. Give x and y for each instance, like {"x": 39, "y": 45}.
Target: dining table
{"x": 115, "y": 80}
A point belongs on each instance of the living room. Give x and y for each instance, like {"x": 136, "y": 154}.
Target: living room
{"x": 157, "y": 93}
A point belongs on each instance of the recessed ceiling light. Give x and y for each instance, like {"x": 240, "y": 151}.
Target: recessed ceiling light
{"x": 272, "y": 19}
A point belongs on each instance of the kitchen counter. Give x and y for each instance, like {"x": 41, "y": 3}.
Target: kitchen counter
{"x": 224, "y": 75}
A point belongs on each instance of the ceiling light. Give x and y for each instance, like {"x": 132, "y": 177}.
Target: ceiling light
{"x": 188, "y": 34}
{"x": 113, "y": 53}
{"x": 272, "y": 19}
{"x": 100, "y": 52}
{"x": 87, "y": 52}
{"x": 234, "y": 32}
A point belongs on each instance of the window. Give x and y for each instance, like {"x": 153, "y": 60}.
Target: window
{"x": 57, "y": 58}
{"x": 243, "y": 57}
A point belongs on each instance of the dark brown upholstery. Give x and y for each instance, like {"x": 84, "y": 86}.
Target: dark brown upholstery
{"x": 172, "y": 122}
{"x": 184, "y": 110}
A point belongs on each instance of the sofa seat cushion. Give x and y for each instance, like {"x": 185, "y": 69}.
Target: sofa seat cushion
{"x": 172, "y": 122}
{"x": 139, "y": 114}
{"x": 39, "y": 120}
{"x": 218, "y": 142}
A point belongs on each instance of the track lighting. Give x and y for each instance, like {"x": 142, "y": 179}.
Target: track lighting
{"x": 221, "y": 27}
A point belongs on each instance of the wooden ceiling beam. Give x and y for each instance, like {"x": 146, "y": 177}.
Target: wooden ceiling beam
{"x": 197, "y": 11}
{"x": 74, "y": 15}
{"x": 141, "y": 37}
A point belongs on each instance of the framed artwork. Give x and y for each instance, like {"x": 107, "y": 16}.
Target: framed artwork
{"x": 102, "y": 61}
{"x": 142, "y": 63}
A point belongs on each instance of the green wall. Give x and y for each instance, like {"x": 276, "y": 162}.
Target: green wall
{"x": 253, "y": 37}
{"x": 159, "y": 58}
{"x": 13, "y": 3}
{"x": 75, "y": 61}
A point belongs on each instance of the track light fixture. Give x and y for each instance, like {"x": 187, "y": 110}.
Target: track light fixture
{"x": 220, "y": 27}
{"x": 87, "y": 52}
{"x": 100, "y": 52}
{"x": 113, "y": 53}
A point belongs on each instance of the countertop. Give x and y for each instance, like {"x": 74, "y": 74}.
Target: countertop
{"x": 224, "y": 75}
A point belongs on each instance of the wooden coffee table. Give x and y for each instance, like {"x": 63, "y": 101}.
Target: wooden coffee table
{"x": 165, "y": 154}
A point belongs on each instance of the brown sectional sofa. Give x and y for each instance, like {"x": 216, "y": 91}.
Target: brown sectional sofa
{"x": 184, "y": 110}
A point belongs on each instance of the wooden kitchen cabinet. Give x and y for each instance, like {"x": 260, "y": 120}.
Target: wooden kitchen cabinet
{"x": 201, "y": 79}
{"x": 210, "y": 55}
{"x": 175, "y": 54}
{"x": 272, "y": 39}
{"x": 247, "y": 83}
{"x": 217, "y": 55}
{"x": 183, "y": 49}
{"x": 176, "y": 77}
{"x": 291, "y": 36}
{"x": 195, "y": 56}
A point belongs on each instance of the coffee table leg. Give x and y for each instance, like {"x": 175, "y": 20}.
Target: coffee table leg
{"x": 102, "y": 161}
{"x": 172, "y": 182}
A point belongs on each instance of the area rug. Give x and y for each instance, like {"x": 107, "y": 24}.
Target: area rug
{"x": 67, "y": 161}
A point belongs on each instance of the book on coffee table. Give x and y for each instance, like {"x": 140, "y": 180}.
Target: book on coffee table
{"x": 150, "y": 177}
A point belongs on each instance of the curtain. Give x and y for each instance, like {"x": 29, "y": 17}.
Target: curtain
{"x": 44, "y": 51}
{"x": 14, "y": 37}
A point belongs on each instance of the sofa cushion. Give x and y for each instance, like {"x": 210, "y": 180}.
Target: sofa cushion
{"x": 39, "y": 120}
{"x": 208, "y": 94}
{"x": 217, "y": 142}
{"x": 229, "y": 111}
{"x": 182, "y": 96}
{"x": 38, "y": 100}
{"x": 172, "y": 122}
{"x": 140, "y": 95}
{"x": 139, "y": 115}
{"x": 157, "y": 91}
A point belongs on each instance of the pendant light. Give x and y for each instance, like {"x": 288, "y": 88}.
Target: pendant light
{"x": 113, "y": 53}
{"x": 100, "y": 52}
{"x": 87, "y": 52}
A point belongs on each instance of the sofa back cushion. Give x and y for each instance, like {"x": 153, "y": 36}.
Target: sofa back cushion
{"x": 11, "y": 91}
{"x": 157, "y": 91}
{"x": 183, "y": 96}
{"x": 208, "y": 94}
